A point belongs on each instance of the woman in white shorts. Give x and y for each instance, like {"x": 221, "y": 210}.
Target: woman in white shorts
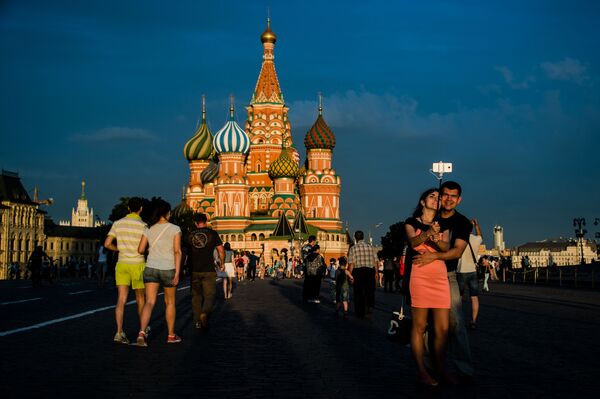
{"x": 229, "y": 271}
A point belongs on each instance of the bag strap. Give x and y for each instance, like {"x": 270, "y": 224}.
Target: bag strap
{"x": 472, "y": 252}
{"x": 160, "y": 235}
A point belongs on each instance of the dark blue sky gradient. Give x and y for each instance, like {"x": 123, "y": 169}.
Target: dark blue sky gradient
{"x": 507, "y": 91}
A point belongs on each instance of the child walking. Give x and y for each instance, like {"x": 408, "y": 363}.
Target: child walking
{"x": 343, "y": 278}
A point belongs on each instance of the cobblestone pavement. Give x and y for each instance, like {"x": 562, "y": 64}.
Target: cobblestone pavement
{"x": 530, "y": 342}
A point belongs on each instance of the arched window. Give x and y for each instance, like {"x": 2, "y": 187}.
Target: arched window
{"x": 258, "y": 167}
{"x": 240, "y": 237}
{"x": 253, "y": 237}
{"x": 261, "y": 236}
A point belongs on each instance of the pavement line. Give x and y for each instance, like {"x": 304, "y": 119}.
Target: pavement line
{"x": 21, "y": 301}
{"x": 60, "y": 320}
{"x": 79, "y": 292}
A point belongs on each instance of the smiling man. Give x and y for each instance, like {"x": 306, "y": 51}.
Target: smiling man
{"x": 460, "y": 228}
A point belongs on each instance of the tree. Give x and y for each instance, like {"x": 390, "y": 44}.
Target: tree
{"x": 394, "y": 240}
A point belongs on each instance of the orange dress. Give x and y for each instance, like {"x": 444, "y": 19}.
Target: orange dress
{"x": 429, "y": 286}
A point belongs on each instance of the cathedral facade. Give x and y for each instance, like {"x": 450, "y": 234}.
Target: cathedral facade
{"x": 249, "y": 181}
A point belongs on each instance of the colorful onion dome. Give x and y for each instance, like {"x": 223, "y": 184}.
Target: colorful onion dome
{"x": 200, "y": 145}
{"x": 231, "y": 137}
{"x": 283, "y": 166}
{"x": 210, "y": 172}
{"x": 320, "y": 135}
{"x": 268, "y": 36}
{"x": 181, "y": 210}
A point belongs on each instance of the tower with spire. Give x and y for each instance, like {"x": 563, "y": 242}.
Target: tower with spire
{"x": 83, "y": 216}
{"x": 249, "y": 183}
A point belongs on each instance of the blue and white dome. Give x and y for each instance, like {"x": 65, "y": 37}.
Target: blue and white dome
{"x": 231, "y": 138}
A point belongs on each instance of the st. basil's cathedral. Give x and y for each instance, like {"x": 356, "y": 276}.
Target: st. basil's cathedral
{"x": 249, "y": 181}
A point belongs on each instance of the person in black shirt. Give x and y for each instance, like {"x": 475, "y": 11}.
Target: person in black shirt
{"x": 460, "y": 227}
{"x": 35, "y": 265}
{"x": 201, "y": 243}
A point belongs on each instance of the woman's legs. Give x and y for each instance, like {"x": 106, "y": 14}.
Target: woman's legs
{"x": 229, "y": 286}
{"x": 225, "y": 294}
{"x": 151, "y": 292}
{"x": 441, "y": 320}
{"x": 419, "y": 323}
{"x": 170, "y": 309}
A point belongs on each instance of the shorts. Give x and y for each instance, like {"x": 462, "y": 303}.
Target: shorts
{"x": 164, "y": 277}
{"x": 468, "y": 280}
{"x": 229, "y": 270}
{"x": 130, "y": 274}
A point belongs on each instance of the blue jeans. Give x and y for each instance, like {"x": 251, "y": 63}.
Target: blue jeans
{"x": 459, "y": 351}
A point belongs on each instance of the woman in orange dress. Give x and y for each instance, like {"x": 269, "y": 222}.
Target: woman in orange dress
{"x": 429, "y": 286}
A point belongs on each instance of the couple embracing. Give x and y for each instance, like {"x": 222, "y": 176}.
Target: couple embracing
{"x": 437, "y": 236}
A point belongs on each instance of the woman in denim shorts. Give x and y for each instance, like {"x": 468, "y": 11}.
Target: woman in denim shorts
{"x": 162, "y": 268}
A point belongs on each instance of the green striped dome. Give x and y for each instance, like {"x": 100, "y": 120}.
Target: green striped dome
{"x": 201, "y": 144}
{"x": 284, "y": 166}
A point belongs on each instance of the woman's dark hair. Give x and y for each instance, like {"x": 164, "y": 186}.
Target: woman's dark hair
{"x": 160, "y": 209}
{"x": 227, "y": 246}
{"x": 419, "y": 209}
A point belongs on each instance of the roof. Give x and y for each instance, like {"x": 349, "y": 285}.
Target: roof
{"x": 283, "y": 228}
{"x": 12, "y": 190}
{"x": 300, "y": 225}
{"x": 231, "y": 137}
{"x": 74, "y": 232}
{"x": 200, "y": 146}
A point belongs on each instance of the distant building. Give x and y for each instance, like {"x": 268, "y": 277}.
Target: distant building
{"x": 21, "y": 223}
{"x": 66, "y": 243}
{"x": 83, "y": 216}
{"x": 562, "y": 252}
{"x": 499, "y": 238}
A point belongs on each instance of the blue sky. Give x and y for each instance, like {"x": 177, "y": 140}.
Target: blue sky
{"x": 508, "y": 91}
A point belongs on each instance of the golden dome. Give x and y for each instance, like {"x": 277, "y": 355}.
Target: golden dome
{"x": 268, "y": 36}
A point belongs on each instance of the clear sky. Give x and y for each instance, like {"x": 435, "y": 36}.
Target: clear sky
{"x": 508, "y": 91}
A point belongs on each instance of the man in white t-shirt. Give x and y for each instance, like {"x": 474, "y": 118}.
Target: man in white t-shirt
{"x": 466, "y": 273}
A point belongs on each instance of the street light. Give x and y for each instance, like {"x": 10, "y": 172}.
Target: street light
{"x": 375, "y": 228}
{"x": 580, "y": 233}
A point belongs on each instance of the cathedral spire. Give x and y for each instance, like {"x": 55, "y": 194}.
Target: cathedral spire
{"x": 203, "y": 108}
{"x": 320, "y": 104}
{"x": 83, "y": 189}
{"x": 267, "y": 87}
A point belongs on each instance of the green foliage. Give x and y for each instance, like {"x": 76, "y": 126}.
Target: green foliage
{"x": 182, "y": 217}
{"x": 120, "y": 210}
{"x": 394, "y": 240}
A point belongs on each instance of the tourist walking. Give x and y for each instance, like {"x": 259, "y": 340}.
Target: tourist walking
{"x": 460, "y": 228}
{"x": 388, "y": 273}
{"x": 466, "y": 273}
{"x": 201, "y": 243}
{"x": 229, "y": 270}
{"x": 102, "y": 265}
{"x": 429, "y": 287}
{"x": 129, "y": 271}
{"x": 486, "y": 266}
{"x": 315, "y": 270}
{"x": 305, "y": 251}
{"x": 343, "y": 278}
{"x": 252, "y": 260}
{"x": 362, "y": 261}
{"x": 36, "y": 263}
{"x": 162, "y": 268}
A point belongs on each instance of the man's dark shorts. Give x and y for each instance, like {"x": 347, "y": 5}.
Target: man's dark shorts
{"x": 468, "y": 280}
{"x": 163, "y": 277}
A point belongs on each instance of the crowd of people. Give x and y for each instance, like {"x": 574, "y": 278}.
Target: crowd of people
{"x": 438, "y": 267}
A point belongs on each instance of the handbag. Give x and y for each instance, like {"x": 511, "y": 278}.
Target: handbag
{"x": 400, "y": 327}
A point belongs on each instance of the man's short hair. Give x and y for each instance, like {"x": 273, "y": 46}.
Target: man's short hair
{"x": 134, "y": 204}
{"x": 199, "y": 217}
{"x": 452, "y": 185}
{"x": 359, "y": 235}
{"x": 343, "y": 261}
{"x": 312, "y": 238}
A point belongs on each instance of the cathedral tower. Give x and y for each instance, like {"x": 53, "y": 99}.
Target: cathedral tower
{"x": 232, "y": 209}
{"x": 198, "y": 151}
{"x": 268, "y": 127}
{"x": 319, "y": 184}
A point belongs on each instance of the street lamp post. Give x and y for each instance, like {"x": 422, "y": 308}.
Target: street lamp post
{"x": 580, "y": 232}
{"x": 375, "y": 228}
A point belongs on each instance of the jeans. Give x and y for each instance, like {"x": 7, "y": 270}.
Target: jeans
{"x": 485, "y": 282}
{"x": 388, "y": 280}
{"x": 251, "y": 272}
{"x": 203, "y": 293}
{"x": 364, "y": 289}
{"x": 459, "y": 351}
